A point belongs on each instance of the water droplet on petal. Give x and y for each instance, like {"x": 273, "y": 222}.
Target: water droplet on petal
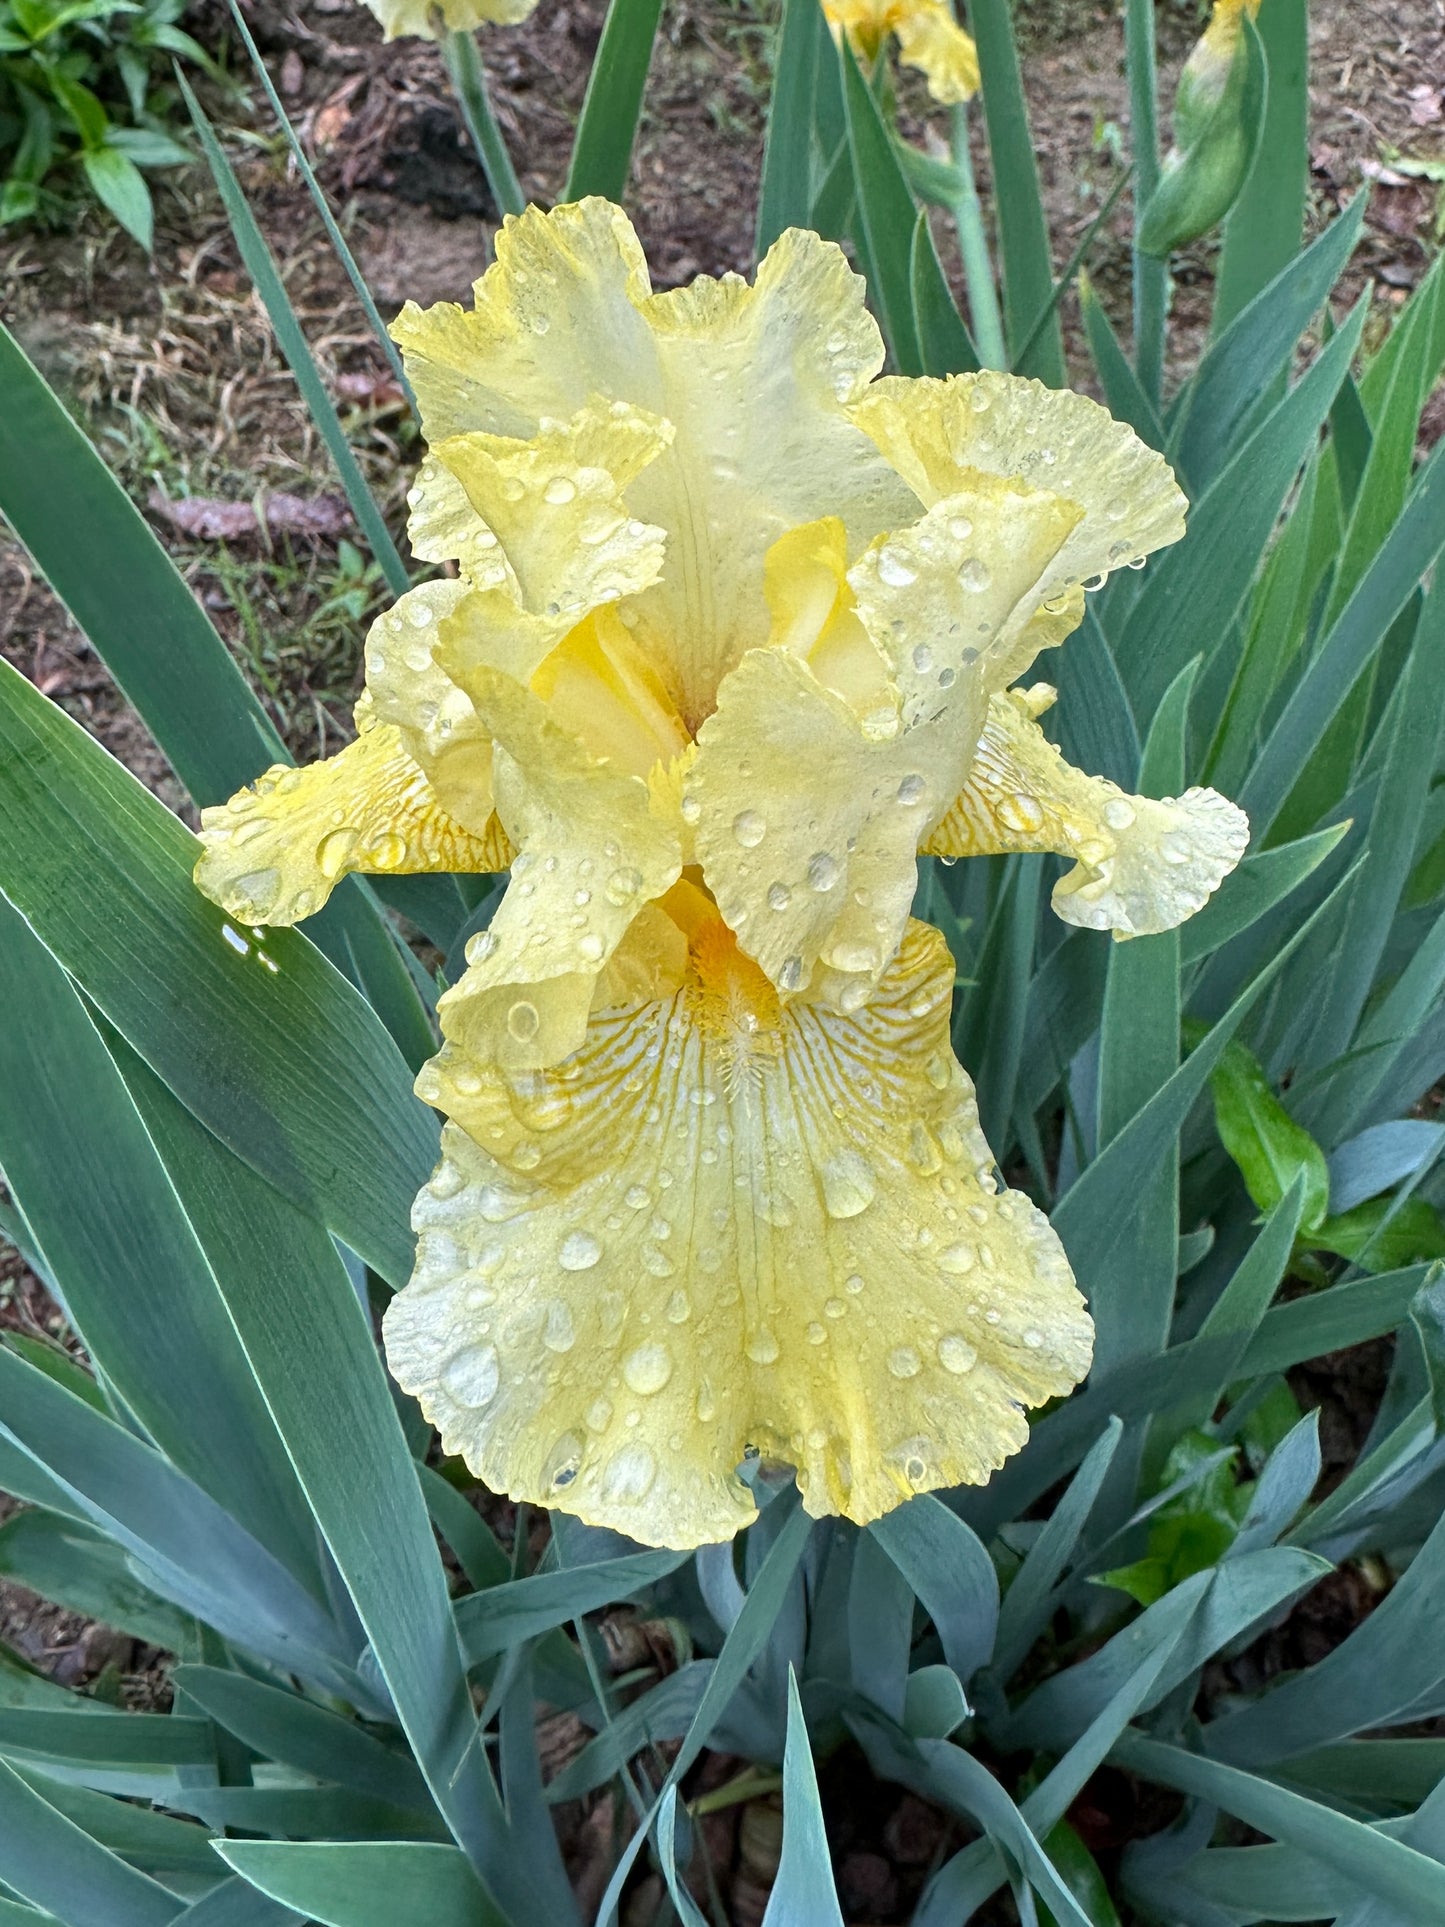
{"x": 471, "y": 1376}
{"x": 679, "y": 1308}
{"x": 975, "y": 575}
{"x": 910, "y": 791}
{"x": 763, "y": 1347}
{"x": 647, "y": 1369}
{"x": 849, "y": 1185}
{"x": 903, "y": 1362}
{"x": 559, "y": 1334}
{"x": 822, "y": 871}
{"x": 955, "y": 1354}
{"x": 638, "y": 1198}
{"x": 560, "y": 489}
{"x": 923, "y": 659}
{"x": 691, "y": 809}
{"x": 960, "y": 528}
{"x": 1119, "y": 813}
{"x": 749, "y": 829}
{"x": 956, "y": 1259}
{"x": 629, "y": 1475}
{"x": 523, "y": 1022}
{"x": 895, "y": 569}
{"x": 590, "y": 946}
{"x": 779, "y": 896}
{"x": 334, "y": 852}
{"x": 790, "y": 977}
{"x": 388, "y": 852}
{"x": 580, "y": 1251}
{"x": 1022, "y": 814}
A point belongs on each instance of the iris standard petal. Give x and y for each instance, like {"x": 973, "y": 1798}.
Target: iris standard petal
{"x": 756, "y": 382}
{"x": 1141, "y": 865}
{"x": 808, "y": 814}
{"x": 935, "y": 432}
{"x": 275, "y": 851}
{"x": 591, "y": 851}
{"x": 728, "y": 1228}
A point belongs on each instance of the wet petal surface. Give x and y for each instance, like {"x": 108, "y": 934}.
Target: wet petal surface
{"x": 727, "y": 1227}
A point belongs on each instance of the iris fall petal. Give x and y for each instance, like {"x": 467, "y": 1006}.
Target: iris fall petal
{"x": 689, "y": 1246}
{"x": 1141, "y": 866}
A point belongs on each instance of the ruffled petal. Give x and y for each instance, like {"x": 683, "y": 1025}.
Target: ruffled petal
{"x": 543, "y": 522}
{"x": 809, "y": 798}
{"x": 275, "y": 851}
{"x": 755, "y": 381}
{"x": 592, "y": 850}
{"x": 439, "y": 725}
{"x": 807, "y": 828}
{"x": 930, "y": 39}
{"x": 1141, "y": 866}
{"x": 936, "y": 432}
{"x": 724, "y": 1229}
{"x": 458, "y": 16}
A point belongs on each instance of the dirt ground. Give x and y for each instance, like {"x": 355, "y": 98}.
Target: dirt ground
{"x": 170, "y": 364}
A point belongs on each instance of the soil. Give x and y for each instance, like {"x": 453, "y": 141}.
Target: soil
{"x": 171, "y": 365}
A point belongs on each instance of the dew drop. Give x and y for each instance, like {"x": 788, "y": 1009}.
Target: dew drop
{"x": 749, "y": 829}
{"x": 559, "y": 1334}
{"x": 834, "y": 1308}
{"x": 691, "y": 809}
{"x": 629, "y": 1475}
{"x": 960, "y": 528}
{"x": 388, "y": 852}
{"x": 656, "y": 1263}
{"x": 1022, "y": 814}
{"x": 853, "y": 1284}
{"x": 975, "y": 575}
{"x": 598, "y": 1415}
{"x": 822, "y": 871}
{"x": 956, "y": 1355}
{"x": 445, "y": 1182}
{"x": 849, "y": 1185}
{"x": 623, "y": 885}
{"x": 638, "y": 1198}
{"x": 706, "y": 1402}
{"x": 679, "y": 1308}
{"x": 1117, "y": 509}
{"x": 580, "y": 1251}
{"x": 523, "y": 1022}
{"x": 590, "y": 946}
{"x": 815, "y": 1333}
{"x": 895, "y": 569}
{"x": 1175, "y": 849}
{"x": 471, "y": 1376}
{"x": 334, "y": 851}
{"x": 481, "y": 946}
{"x": 923, "y": 659}
{"x": 790, "y": 977}
{"x": 560, "y": 489}
{"x": 910, "y": 791}
{"x": 1119, "y": 813}
{"x": 904, "y": 1362}
{"x": 956, "y": 1259}
{"x": 235, "y": 941}
{"x": 763, "y": 1347}
{"x": 647, "y": 1369}
{"x": 779, "y": 896}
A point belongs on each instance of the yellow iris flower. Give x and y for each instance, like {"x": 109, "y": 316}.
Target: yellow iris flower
{"x": 433, "y": 19}
{"x": 731, "y": 640}
{"x": 928, "y": 37}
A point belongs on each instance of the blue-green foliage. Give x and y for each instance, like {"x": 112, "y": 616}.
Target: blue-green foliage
{"x": 204, "y": 1160}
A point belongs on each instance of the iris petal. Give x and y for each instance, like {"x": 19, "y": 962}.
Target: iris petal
{"x": 727, "y": 1227}
{"x": 756, "y": 382}
{"x": 1141, "y": 865}
{"x": 275, "y": 851}
{"x": 592, "y": 850}
{"x": 936, "y": 432}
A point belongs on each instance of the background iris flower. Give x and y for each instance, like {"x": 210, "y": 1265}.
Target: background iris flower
{"x": 733, "y": 637}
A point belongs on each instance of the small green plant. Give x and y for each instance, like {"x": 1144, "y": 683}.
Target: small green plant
{"x": 80, "y": 104}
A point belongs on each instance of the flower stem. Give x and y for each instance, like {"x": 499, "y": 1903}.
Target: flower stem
{"x": 983, "y": 305}
{"x": 469, "y": 82}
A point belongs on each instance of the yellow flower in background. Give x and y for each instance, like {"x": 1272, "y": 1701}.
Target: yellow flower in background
{"x": 433, "y": 19}
{"x": 928, "y": 36}
{"x": 733, "y": 637}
